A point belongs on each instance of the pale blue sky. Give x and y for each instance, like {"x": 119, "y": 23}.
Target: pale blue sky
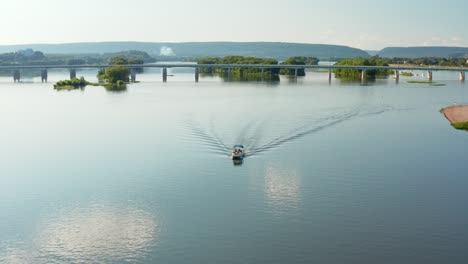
{"x": 367, "y": 24}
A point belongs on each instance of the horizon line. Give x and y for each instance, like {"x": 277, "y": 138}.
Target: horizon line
{"x": 220, "y": 41}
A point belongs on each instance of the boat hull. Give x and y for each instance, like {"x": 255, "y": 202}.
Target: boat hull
{"x": 237, "y": 157}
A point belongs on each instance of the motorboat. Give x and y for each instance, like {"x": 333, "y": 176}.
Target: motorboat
{"x": 238, "y": 152}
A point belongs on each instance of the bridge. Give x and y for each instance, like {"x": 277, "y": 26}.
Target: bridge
{"x": 133, "y": 69}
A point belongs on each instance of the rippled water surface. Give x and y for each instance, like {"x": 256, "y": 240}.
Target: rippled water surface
{"x": 335, "y": 173}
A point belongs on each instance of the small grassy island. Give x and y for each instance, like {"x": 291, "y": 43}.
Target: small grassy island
{"x": 72, "y": 84}
{"x": 407, "y": 74}
{"x": 431, "y": 83}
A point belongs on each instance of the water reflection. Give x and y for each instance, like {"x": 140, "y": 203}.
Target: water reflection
{"x": 116, "y": 88}
{"x": 282, "y": 188}
{"x": 92, "y": 234}
{"x": 97, "y": 233}
{"x": 15, "y": 253}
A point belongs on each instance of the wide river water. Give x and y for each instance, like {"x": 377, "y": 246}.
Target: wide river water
{"x": 336, "y": 173}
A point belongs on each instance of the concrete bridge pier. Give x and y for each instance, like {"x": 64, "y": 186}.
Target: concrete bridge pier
{"x": 16, "y": 76}
{"x": 164, "y": 74}
{"x": 263, "y": 74}
{"x": 363, "y": 76}
{"x": 72, "y": 73}
{"x": 296, "y": 73}
{"x": 44, "y": 75}
{"x": 429, "y": 75}
{"x": 197, "y": 74}
{"x": 229, "y": 74}
{"x": 462, "y": 76}
{"x": 329, "y": 75}
{"x": 133, "y": 75}
{"x": 397, "y": 75}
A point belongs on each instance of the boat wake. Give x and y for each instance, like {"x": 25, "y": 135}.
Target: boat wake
{"x": 253, "y": 137}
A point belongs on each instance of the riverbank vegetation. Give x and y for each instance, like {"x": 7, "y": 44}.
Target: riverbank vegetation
{"x": 350, "y": 74}
{"x": 461, "y": 126}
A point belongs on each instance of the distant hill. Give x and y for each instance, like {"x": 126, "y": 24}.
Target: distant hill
{"x": 276, "y": 50}
{"x": 420, "y": 52}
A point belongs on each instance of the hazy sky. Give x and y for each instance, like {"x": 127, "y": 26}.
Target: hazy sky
{"x": 366, "y": 24}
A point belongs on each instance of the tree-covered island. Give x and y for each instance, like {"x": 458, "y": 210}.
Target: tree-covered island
{"x": 238, "y": 74}
{"x": 350, "y": 74}
{"x": 298, "y": 61}
{"x": 254, "y": 74}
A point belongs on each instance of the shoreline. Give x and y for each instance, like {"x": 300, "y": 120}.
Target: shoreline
{"x": 457, "y": 115}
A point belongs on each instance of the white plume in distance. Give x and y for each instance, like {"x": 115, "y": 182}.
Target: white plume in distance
{"x": 166, "y": 51}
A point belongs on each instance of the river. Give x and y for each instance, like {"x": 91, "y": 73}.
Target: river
{"x": 335, "y": 173}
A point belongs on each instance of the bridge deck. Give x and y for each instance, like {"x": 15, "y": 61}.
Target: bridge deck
{"x": 237, "y": 66}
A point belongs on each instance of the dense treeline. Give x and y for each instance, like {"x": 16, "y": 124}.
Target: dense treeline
{"x": 356, "y": 74}
{"x": 22, "y": 56}
{"x": 255, "y": 74}
{"x": 30, "y": 57}
{"x": 238, "y": 73}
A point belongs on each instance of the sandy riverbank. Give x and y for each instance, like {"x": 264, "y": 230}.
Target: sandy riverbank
{"x": 456, "y": 114}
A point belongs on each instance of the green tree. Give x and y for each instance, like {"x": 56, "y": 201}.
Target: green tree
{"x": 116, "y": 74}
{"x": 118, "y": 60}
